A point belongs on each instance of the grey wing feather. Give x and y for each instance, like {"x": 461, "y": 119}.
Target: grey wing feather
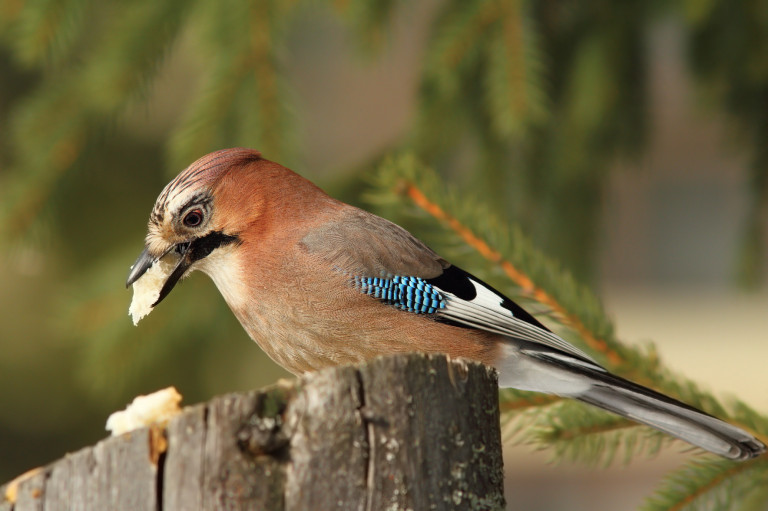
{"x": 486, "y": 312}
{"x": 361, "y": 243}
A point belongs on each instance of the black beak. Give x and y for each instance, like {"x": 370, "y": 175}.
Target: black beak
{"x": 188, "y": 252}
{"x": 140, "y": 267}
{"x": 146, "y": 260}
{"x": 182, "y": 266}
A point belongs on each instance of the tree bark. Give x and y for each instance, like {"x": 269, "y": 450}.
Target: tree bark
{"x": 408, "y": 432}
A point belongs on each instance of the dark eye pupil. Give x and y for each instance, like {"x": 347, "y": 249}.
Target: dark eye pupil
{"x": 193, "y": 218}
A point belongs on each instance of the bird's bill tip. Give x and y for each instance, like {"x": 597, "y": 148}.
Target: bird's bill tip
{"x": 140, "y": 267}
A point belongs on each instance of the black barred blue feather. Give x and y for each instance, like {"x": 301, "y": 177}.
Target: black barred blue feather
{"x": 458, "y": 298}
{"x": 411, "y": 294}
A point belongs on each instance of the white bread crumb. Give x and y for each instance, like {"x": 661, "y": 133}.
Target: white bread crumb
{"x": 146, "y": 290}
{"x": 156, "y": 408}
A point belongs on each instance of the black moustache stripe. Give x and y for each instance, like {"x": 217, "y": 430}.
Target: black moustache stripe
{"x": 202, "y": 247}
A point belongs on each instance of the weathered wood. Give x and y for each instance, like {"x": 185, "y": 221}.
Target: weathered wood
{"x": 434, "y": 435}
{"x": 328, "y": 443}
{"x": 30, "y": 492}
{"x": 183, "y": 469}
{"x": 232, "y": 478}
{"x": 406, "y": 432}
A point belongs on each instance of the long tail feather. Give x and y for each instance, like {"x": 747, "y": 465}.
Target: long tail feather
{"x": 558, "y": 373}
{"x": 648, "y": 407}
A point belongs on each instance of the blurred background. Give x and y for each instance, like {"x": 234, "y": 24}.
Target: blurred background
{"x": 629, "y": 140}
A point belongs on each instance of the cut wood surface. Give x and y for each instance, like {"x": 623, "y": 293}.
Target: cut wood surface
{"x": 408, "y": 432}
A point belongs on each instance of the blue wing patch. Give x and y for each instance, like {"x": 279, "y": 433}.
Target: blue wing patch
{"x": 410, "y": 294}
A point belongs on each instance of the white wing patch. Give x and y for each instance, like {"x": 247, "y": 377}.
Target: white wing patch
{"x": 485, "y": 311}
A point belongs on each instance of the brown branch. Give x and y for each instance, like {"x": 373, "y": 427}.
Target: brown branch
{"x": 529, "y": 288}
{"x": 487, "y": 16}
{"x": 710, "y": 485}
{"x": 594, "y": 429}
{"x": 525, "y": 283}
{"x": 534, "y": 401}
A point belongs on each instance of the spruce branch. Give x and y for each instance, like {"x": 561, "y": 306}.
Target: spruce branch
{"x": 726, "y": 45}
{"x": 50, "y": 128}
{"x": 453, "y": 61}
{"x": 418, "y": 184}
{"x": 470, "y": 226}
{"x": 700, "y": 484}
{"x": 240, "y": 101}
{"x": 46, "y": 31}
{"x": 513, "y": 400}
{"x": 576, "y": 432}
{"x": 514, "y": 89}
{"x": 486, "y": 50}
{"x": 456, "y": 40}
{"x": 47, "y": 119}
{"x": 132, "y": 48}
{"x": 369, "y": 19}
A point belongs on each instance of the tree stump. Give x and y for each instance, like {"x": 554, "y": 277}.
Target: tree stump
{"x": 407, "y": 432}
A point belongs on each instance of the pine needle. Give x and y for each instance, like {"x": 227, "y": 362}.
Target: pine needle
{"x": 712, "y": 484}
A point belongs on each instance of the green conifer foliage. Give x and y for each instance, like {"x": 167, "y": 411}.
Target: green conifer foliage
{"x": 728, "y": 44}
{"x": 465, "y": 230}
{"x": 522, "y": 105}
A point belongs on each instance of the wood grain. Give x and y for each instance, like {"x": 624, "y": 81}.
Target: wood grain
{"x": 403, "y": 432}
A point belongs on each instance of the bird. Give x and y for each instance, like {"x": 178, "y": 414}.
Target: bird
{"x": 316, "y": 282}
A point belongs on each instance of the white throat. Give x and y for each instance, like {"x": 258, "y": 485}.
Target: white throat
{"x": 223, "y": 267}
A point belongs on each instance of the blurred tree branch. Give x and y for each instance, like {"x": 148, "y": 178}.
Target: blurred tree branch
{"x": 413, "y": 193}
{"x": 538, "y": 99}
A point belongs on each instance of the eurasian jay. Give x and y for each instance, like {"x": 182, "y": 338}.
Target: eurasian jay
{"x": 316, "y": 282}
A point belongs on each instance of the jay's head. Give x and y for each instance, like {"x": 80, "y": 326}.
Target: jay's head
{"x": 206, "y": 209}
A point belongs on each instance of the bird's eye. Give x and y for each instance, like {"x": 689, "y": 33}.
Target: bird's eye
{"x": 193, "y": 218}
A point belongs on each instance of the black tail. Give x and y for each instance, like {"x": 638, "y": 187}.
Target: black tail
{"x": 592, "y": 384}
{"x": 646, "y": 406}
